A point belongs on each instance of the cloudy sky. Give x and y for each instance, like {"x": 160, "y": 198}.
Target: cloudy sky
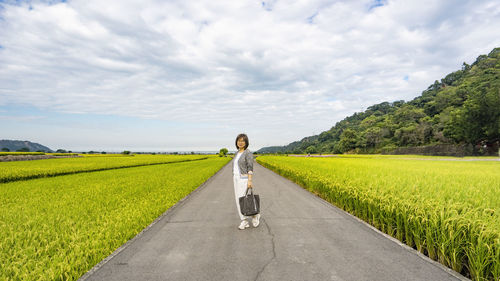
{"x": 191, "y": 75}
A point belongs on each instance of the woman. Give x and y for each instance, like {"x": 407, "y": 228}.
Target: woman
{"x": 242, "y": 177}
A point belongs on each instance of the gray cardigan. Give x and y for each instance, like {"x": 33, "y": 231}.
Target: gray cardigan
{"x": 245, "y": 163}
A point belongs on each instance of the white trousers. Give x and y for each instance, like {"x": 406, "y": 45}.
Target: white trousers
{"x": 240, "y": 187}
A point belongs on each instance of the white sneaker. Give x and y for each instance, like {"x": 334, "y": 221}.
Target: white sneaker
{"x": 255, "y": 220}
{"x": 244, "y": 224}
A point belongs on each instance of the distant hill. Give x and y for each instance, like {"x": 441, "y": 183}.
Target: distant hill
{"x": 14, "y": 145}
{"x": 290, "y": 148}
{"x": 463, "y": 109}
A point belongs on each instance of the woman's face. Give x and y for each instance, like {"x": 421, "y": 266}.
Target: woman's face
{"x": 241, "y": 143}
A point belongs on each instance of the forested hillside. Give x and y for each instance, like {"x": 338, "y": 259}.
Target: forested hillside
{"x": 18, "y": 145}
{"x": 463, "y": 109}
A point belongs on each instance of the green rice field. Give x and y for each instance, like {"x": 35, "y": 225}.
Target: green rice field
{"x": 448, "y": 210}
{"x": 58, "y": 228}
{"x": 21, "y": 170}
{"x": 60, "y": 217}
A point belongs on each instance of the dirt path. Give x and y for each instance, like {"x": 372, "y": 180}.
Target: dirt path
{"x": 31, "y": 157}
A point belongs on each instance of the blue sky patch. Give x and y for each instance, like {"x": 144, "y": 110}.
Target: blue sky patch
{"x": 377, "y": 3}
{"x": 13, "y": 2}
{"x": 267, "y": 6}
{"x": 311, "y": 18}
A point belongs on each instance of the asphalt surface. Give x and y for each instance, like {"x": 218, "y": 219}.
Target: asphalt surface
{"x": 300, "y": 237}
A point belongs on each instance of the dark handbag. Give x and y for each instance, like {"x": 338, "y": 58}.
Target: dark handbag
{"x": 250, "y": 203}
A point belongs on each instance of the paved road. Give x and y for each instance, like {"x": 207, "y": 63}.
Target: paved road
{"x": 301, "y": 237}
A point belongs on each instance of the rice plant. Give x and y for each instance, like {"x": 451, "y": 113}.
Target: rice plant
{"x": 448, "y": 210}
{"x": 22, "y": 170}
{"x": 60, "y": 227}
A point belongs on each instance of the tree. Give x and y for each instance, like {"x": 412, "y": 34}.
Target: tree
{"x": 326, "y": 147}
{"x": 23, "y": 149}
{"x": 61, "y": 151}
{"x": 381, "y": 108}
{"x": 478, "y": 119}
{"x": 311, "y": 149}
{"x": 372, "y": 137}
{"x": 408, "y": 114}
{"x": 348, "y": 140}
{"x": 407, "y": 136}
{"x": 424, "y": 130}
{"x": 324, "y": 136}
{"x": 369, "y": 122}
{"x": 223, "y": 152}
{"x": 5, "y": 149}
{"x": 126, "y": 152}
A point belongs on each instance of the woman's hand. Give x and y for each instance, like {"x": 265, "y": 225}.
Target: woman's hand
{"x": 249, "y": 184}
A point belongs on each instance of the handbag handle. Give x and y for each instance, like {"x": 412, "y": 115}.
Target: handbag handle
{"x": 251, "y": 191}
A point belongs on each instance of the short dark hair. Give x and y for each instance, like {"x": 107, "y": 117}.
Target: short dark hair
{"x": 245, "y": 138}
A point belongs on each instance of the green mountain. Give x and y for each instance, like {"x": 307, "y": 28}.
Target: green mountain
{"x": 461, "y": 110}
{"x": 15, "y": 145}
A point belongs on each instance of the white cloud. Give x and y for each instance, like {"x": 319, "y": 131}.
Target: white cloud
{"x": 291, "y": 68}
{"x": 24, "y": 118}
